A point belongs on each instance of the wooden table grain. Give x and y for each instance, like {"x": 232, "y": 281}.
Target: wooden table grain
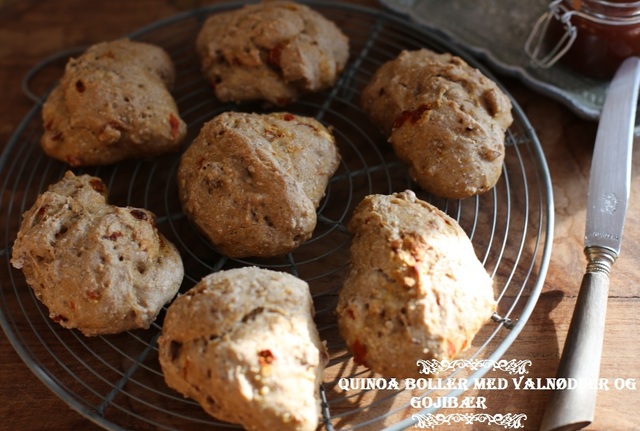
{"x": 31, "y": 30}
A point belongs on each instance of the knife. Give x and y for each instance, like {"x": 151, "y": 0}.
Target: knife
{"x": 609, "y": 182}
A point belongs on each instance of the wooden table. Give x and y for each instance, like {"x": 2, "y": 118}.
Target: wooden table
{"x": 30, "y": 30}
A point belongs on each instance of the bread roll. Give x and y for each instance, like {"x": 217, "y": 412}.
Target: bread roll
{"x": 243, "y": 344}
{"x": 252, "y": 182}
{"x": 415, "y": 289}
{"x": 273, "y": 51}
{"x": 113, "y": 103}
{"x": 444, "y": 119}
{"x": 99, "y": 268}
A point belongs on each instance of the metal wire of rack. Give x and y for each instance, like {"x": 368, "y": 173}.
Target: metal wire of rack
{"x": 115, "y": 381}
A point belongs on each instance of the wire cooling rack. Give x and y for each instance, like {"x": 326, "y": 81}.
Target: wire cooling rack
{"x": 116, "y": 381}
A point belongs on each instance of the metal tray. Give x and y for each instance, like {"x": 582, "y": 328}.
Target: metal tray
{"x": 115, "y": 381}
{"x": 496, "y": 32}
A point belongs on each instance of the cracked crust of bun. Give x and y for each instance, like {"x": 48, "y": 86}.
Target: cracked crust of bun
{"x": 113, "y": 103}
{"x": 415, "y": 290}
{"x": 444, "y": 119}
{"x": 99, "y": 268}
{"x": 272, "y": 51}
{"x": 244, "y": 345}
{"x": 252, "y": 182}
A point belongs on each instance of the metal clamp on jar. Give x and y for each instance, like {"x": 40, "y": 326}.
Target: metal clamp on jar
{"x": 592, "y": 37}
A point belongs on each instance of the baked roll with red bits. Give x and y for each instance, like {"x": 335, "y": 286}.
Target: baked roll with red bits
{"x": 271, "y": 51}
{"x": 99, "y": 268}
{"x": 415, "y": 290}
{"x": 251, "y": 183}
{"x": 244, "y": 345}
{"x": 113, "y": 103}
{"x": 444, "y": 119}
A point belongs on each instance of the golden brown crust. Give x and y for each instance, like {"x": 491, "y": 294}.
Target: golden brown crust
{"x": 415, "y": 290}
{"x": 113, "y": 103}
{"x": 273, "y": 51}
{"x": 244, "y": 345}
{"x": 252, "y": 182}
{"x": 444, "y": 119}
{"x": 99, "y": 268}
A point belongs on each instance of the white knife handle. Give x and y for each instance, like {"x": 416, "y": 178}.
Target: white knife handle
{"x": 573, "y": 409}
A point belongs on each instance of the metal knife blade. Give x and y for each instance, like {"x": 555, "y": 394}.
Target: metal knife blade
{"x": 610, "y": 175}
{"x": 574, "y": 409}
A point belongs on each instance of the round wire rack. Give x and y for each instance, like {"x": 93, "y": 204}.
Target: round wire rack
{"x": 116, "y": 382}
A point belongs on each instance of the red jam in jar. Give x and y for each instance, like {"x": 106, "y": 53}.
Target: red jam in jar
{"x": 592, "y": 37}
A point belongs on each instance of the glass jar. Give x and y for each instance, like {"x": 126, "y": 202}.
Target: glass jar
{"x": 591, "y": 36}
